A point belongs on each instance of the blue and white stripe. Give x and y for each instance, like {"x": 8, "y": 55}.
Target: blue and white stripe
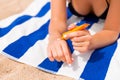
{"x": 24, "y": 38}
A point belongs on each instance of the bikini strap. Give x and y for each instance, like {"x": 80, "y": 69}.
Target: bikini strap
{"x": 107, "y": 2}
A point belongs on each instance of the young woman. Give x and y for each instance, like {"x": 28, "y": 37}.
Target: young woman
{"x": 82, "y": 40}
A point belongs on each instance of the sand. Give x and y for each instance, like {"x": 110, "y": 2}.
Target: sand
{"x": 10, "y": 69}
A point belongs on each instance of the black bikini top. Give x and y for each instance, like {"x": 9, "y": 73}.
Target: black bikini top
{"x": 103, "y": 16}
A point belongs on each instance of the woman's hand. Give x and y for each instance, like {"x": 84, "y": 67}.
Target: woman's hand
{"x": 59, "y": 50}
{"x": 81, "y": 40}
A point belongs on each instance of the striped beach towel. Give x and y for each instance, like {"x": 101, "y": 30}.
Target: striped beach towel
{"x": 24, "y": 38}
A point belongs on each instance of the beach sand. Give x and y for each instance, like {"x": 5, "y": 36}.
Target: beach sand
{"x": 10, "y": 69}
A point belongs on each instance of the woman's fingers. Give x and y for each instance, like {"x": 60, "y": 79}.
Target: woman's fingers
{"x": 50, "y": 56}
{"x": 64, "y": 52}
{"x": 82, "y": 38}
{"x": 81, "y": 41}
{"x": 67, "y": 54}
{"x": 80, "y": 44}
{"x": 72, "y": 26}
{"x": 82, "y": 49}
{"x": 76, "y": 34}
{"x": 60, "y": 52}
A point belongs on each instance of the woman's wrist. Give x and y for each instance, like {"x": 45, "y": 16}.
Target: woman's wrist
{"x": 54, "y": 36}
{"x": 56, "y": 28}
{"x": 103, "y": 38}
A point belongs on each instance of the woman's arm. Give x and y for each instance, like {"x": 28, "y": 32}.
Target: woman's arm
{"x": 83, "y": 41}
{"x": 58, "y": 18}
{"x": 57, "y": 48}
{"x": 111, "y": 29}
